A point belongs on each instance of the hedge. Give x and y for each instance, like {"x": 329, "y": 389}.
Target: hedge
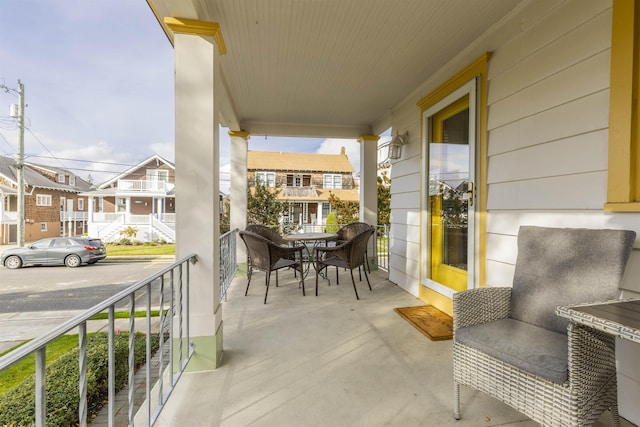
{"x": 17, "y": 407}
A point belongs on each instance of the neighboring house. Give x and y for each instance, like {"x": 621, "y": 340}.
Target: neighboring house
{"x": 53, "y": 205}
{"x": 141, "y": 198}
{"x": 304, "y": 180}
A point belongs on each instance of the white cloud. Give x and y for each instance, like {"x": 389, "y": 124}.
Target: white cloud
{"x": 334, "y": 145}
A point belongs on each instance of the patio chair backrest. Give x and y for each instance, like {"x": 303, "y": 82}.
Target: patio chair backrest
{"x": 350, "y": 231}
{"x": 257, "y": 249}
{"x": 561, "y": 266}
{"x": 267, "y": 232}
{"x": 359, "y": 247}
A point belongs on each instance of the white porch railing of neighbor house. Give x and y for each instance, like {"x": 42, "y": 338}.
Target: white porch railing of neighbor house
{"x": 73, "y": 216}
{"x": 9, "y": 217}
{"x": 143, "y": 185}
{"x": 228, "y": 260}
{"x": 170, "y": 290}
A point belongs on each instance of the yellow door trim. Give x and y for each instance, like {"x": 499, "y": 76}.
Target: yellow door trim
{"x": 476, "y": 69}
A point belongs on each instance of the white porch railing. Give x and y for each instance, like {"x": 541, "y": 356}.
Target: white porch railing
{"x": 9, "y": 216}
{"x": 175, "y": 323}
{"x": 228, "y": 260}
{"x": 143, "y": 185}
{"x": 74, "y": 216}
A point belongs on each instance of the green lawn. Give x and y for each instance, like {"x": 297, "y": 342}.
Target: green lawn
{"x": 124, "y": 250}
{"x": 19, "y": 371}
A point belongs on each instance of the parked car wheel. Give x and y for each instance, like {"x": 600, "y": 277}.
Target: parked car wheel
{"x": 13, "y": 262}
{"x": 72, "y": 261}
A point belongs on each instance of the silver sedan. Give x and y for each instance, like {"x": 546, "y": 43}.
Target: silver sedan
{"x": 69, "y": 251}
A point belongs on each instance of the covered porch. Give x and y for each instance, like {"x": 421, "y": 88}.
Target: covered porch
{"x": 329, "y": 361}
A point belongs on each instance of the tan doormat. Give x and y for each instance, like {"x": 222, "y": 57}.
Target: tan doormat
{"x": 435, "y": 324}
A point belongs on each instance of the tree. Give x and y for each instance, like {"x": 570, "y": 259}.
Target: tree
{"x": 263, "y": 206}
{"x": 346, "y": 211}
{"x": 384, "y": 199}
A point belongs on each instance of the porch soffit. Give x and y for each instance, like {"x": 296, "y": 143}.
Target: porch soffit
{"x": 332, "y": 68}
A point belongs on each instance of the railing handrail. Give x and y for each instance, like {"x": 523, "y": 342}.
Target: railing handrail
{"x": 46, "y": 338}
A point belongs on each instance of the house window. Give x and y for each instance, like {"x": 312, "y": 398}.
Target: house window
{"x": 623, "y": 187}
{"x": 80, "y": 204}
{"x": 61, "y": 178}
{"x": 43, "y": 200}
{"x": 159, "y": 175}
{"x": 43, "y": 226}
{"x": 298, "y": 180}
{"x": 268, "y": 179}
{"x": 121, "y": 204}
{"x": 332, "y": 181}
{"x": 72, "y": 180}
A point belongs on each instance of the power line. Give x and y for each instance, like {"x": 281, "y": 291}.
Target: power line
{"x": 45, "y": 147}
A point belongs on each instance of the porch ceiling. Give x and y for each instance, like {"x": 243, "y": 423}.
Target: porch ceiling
{"x": 332, "y": 68}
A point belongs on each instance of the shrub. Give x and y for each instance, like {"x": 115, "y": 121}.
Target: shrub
{"x": 17, "y": 407}
{"x": 332, "y": 223}
{"x": 124, "y": 242}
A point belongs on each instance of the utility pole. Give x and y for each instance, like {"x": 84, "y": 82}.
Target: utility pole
{"x": 20, "y": 164}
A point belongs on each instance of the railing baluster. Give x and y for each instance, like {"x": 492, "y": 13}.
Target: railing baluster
{"x": 111, "y": 396}
{"x": 148, "y": 355}
{"x": 180, "y": 307}
{"x": 189, "y": 348}
{"x": 132, "y": 385}
{"x": 161, "y": 346}
{"x": 41, "y": 391}
{"x": 172, "y": 319}
{"x": 82, "y": 389}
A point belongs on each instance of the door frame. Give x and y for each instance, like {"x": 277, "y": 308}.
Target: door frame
{"x": 473, "y": 250}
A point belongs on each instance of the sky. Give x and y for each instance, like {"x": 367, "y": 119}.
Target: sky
{"x": 98, "y": 84}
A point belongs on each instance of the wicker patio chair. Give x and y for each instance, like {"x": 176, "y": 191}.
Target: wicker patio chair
{"x": 509, "y": 343}
{"x": 348, "y": 232}
{"x": 350, "y": 255}
{"x": 264, "y": 255}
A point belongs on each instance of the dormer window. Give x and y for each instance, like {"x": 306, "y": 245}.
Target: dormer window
{"x": 61, "y": 178}
{"x": 72, "y": 180}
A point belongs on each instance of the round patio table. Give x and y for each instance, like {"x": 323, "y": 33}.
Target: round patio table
{"x": 310, "y": 238}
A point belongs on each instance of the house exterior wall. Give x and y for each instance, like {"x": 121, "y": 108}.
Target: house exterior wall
{"x": 547, "y": 142}
{"x": 140, "y": 174}
{"x": 316, "y": 179}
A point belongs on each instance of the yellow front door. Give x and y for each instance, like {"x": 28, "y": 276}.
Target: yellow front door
{"x": 450, "y": 194}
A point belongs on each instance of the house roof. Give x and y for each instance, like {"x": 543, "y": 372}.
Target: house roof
{"x": 298, "y": 162}
{"x": 138, "y": 166}
{"x": 33, "y": 178}
{"x": 81, "y": 184}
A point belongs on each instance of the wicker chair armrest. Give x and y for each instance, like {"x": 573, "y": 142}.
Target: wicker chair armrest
{"x": 340, "y": 251}
{"x": 278, "y": 251}
{"x": 592, "y": 360}
{"x": 476, "y": 306}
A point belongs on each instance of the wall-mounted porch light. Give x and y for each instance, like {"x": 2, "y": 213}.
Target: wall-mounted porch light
{"x": 395, "y": 150}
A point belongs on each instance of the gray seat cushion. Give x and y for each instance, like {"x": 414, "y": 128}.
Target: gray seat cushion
{"x": 532, "y": 349}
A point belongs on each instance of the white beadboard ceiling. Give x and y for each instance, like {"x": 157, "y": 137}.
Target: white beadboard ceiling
{"x": 331, "y": 68}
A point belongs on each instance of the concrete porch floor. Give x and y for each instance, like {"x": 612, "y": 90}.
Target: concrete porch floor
{"x": 329, "y": 361}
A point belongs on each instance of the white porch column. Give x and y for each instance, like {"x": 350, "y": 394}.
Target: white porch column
{"x": 368, "y": 178}
{"x": 238, "y": 214}
{"x": 197, "y": 182}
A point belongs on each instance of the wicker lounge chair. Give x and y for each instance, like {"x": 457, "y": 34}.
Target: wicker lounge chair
{"x": 509, "y": 343}
{"x": 265, "y": 255}
{"x": 350, "y": 255}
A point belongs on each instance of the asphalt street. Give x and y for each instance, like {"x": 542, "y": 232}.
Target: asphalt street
{"x": 34, "y": 300}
